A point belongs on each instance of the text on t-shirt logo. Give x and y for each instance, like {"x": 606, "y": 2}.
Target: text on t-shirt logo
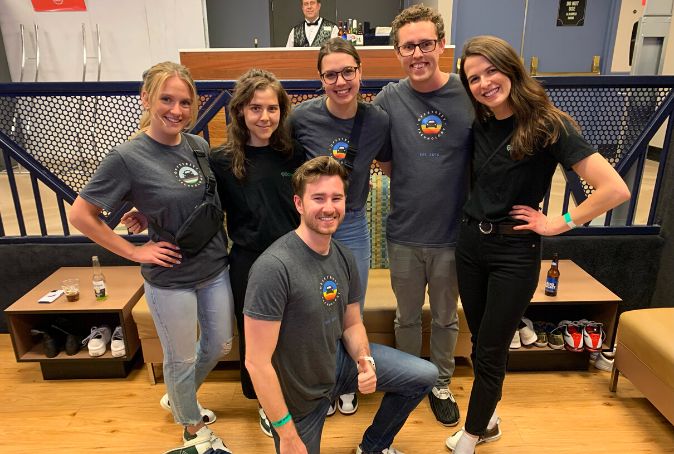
{"x": 329, "y": 291}
{"x": 338, "y": 148}
{"x": 430, "y": 125}
{"x": 188, "y": 175}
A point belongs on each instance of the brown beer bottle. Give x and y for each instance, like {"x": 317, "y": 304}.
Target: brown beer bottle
{"x": 552, "y": 281}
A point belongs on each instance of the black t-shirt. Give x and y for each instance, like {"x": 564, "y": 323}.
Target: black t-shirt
{"x": 260, "y": 209}
{"x": 503, "y": 181}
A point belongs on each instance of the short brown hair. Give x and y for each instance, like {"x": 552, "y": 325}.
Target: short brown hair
{"x": 417, "y": 13}
{"x": 315, "y": 168}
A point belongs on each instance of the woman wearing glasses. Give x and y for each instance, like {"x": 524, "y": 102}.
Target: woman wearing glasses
{"x": 324, "y": 126}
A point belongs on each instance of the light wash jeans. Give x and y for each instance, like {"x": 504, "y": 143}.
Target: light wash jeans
{"x": 405, "y": 380}
{"x": 187, "y": 360}
{"x": 413, "y": 271}
{"x": 354, "y": 233}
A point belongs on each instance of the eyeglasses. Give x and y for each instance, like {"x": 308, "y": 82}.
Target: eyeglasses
{"x": 348, "y": 73}
{"x": 424, "y": 46}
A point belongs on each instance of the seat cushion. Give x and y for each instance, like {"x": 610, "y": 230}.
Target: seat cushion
{"x": 649, "y": 335}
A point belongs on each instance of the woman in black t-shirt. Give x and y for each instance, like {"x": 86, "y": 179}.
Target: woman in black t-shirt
{"x": 253, "y": 171}
{"x": 519, "y": 137}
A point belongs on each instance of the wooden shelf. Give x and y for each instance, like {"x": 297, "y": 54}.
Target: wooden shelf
{"x": 125, "y": 287}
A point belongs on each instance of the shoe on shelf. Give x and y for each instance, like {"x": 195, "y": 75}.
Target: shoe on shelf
{"x": 117, "y": 343}
{"x": 593, "y": 336}
{"x": 389, "y": 450}
{"x": 332, "y": 408}
{"x": 556, "y": 338}
{"x": 516, "y": 343}
{"x": 490, "y": 435}
{"x": 347, "y": 404}
{"x": 51, "y": 342}
{"x": 265, "y": 425}
{"x": 541, "y": 334}
{"x": 207, "y": 416}
{"x": 73, "y": 342}
{"x": 602, "y": 362}
{"x": 573, "y": 336}
{"x": 97, "y": 341}
{"x": 444, "y": 406}
{"x": 527, "y": 334}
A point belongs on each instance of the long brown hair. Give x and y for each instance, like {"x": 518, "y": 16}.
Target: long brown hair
{"x": 538, "y": 121}
{"x": 153, "y": 81}
{"x": 237, "y": 132}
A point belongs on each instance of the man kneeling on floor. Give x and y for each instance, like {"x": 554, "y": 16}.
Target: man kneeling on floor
{"x": 306, "y": 343}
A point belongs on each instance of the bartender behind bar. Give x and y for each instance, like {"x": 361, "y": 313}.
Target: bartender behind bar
{"x": 314, "y": 30}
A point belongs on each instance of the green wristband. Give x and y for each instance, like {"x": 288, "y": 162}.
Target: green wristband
{"x": 282, "y": 421}
{"x": 569, "y": 221}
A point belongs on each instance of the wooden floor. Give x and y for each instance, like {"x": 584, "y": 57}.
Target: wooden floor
{"x": 570, "y": 412}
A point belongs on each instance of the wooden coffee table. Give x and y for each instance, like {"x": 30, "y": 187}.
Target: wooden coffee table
{"x": 124, "y": 287}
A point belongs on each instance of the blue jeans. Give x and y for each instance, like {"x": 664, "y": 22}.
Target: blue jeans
{"x": 187, "y": 360}
{"x": 405, "y": 380}
{"x": 354, "y": 233}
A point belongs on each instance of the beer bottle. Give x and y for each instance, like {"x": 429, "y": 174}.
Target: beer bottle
{"x": 552, "y": 281}
{"x": 98, "y": 280}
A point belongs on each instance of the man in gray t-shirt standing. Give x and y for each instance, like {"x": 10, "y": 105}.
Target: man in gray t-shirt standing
{"x": 431, "y": 120}
{"x": 305, "y": 340}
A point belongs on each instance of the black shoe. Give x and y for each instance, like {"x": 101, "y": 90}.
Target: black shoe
{"x": 73, "y": 342}
{"x": 444, "y": 406}
{"x": 51, "y": 343}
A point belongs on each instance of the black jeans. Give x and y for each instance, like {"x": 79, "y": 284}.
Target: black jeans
{"x": 240, "y": 262}
{"x": 497, "y": 276}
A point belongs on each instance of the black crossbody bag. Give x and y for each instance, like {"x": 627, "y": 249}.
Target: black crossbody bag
{"x": 354, "y": 137}
{"x": 207, "y": 218}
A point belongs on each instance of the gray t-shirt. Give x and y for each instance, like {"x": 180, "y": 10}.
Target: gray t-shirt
{"x": 430, "y": 146}
{"x": 323, "y": 134}
{"x": 164, "y": 183}
{"x": 308, "y": 293}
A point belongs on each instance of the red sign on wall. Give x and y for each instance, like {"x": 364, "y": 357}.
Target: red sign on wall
{"x": 58, "y": 5}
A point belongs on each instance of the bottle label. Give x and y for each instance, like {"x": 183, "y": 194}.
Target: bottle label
{"x": 99, "y": 289}
{"x": 551, "y": 284}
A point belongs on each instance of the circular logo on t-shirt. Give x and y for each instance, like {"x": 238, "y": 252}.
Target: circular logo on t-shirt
{"x": 338, "y": 148}
{"x": 329, "y": 291}
{"x": 431, "y": 125}
{"x": 188, "y": 175}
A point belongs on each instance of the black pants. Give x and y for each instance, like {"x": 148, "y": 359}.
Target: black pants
{"x": 497, "y": 276}
{"x": 240, "y": 262}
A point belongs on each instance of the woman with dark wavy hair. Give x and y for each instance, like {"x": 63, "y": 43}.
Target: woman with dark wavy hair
{"x": 519, "y": 139}
{"x": 253, "y": 171}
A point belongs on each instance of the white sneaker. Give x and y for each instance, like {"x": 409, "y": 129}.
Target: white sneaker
{"x": 206, "y": 415}
{"x": 332, "y": 408}
{"x": 490, "y": 435}
{"x": 347, "y": 403}
{"x": 265, "y": 425}
{"x": 117, "y": 344}
{"x": 603, "y": 363}
{"x": 527, "y": 334}
{"x": 97, "y": 340}
{"x": 389, "y": 450}
{"x": 515, "y": 343}
{"x": 204, "y": 441}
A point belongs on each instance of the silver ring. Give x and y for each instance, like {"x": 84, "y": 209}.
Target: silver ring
{"x": 483, "y": 229}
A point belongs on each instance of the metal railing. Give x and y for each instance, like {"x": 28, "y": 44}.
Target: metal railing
{"x": 59, "y": 133}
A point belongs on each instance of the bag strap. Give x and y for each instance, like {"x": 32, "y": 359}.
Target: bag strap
{"x": 496, "y": 150}
{"x": 354, "y": 137}
{"x": 209, "y": 192}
